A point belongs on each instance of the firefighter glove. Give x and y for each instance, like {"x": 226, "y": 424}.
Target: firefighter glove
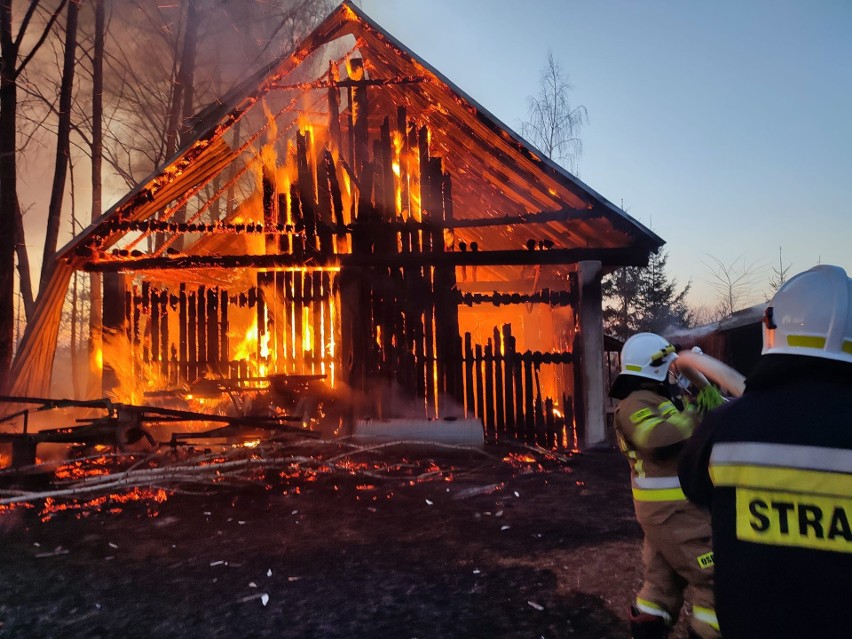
{"x": 709, "y": 398}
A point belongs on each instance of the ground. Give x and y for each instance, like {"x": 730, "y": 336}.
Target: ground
{"x": 442, "y": 543}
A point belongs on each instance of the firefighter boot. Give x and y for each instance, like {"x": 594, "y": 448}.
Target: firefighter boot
{"x": 645, "y": 626}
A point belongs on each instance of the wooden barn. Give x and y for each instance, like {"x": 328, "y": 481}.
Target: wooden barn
{"x": 349, "y": 220}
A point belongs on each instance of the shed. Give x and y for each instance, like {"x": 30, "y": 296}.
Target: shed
{"x": 349, "y": 217}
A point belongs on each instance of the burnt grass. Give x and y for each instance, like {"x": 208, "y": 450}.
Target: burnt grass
{"x": 505, "y": 549}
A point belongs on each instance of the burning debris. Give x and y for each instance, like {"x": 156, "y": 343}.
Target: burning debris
{"x": 110, "y": 481}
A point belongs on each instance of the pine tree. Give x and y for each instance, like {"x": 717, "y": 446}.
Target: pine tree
{"x": 621, "y": 289}
{"x": 660, "y": 305}
{"x": 644, "y": 299}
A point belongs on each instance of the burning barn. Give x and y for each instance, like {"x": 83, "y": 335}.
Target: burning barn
{"x": 349, "y": 219}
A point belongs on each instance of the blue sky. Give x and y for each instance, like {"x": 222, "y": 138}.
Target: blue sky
{"x": 725, "y": 126}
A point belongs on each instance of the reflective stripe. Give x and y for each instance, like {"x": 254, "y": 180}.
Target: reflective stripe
{"x": 646, "y": 419}
{"x": 656, "y": 482}
{"x": 790, "y": 479}
{"x": 788, "y": 455}
{"x": 643, "y": 431}
{"x": 707, "y": 615}
{"x": 658, "y": 494}
{"x": 650, "y": 608}
{"x": 806, "y": 341}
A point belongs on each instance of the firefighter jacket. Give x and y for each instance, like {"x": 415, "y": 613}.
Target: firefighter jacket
{"x": 651, "y": 432}
{"x": 676, "y": 551}
{"x": 775, "y": 468}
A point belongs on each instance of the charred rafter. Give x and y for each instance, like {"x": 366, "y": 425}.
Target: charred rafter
{"x": 607, "y": 256}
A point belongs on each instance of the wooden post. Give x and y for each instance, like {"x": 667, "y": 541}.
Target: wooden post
{"x": 164, "y": 333}
{"x": 182, "y": 341}
{"x": 202, "y": 331}
{"x": 334, "y": 107}
{"x": 499, "y": 361}
{"x": 113, "y": 323}
{"x": 402, "y": 132}
{"x": 354, "y": 328}
{"x": 480, "y": 395}
{"x": 192, "y": 336}
{"x": 520, "y": 412}
{"x": 590, "y": 319}
{"x": 224, "y": 355}
{"x": 212, "y": 329}
{"x": 509, "y": 368}
{"x": 307, "y": 192}
{"x": 358, "y": 108}
{"x": 470, "y": 402}
{"x": 154, "y": 305}
{"x": 489, "y": 386}
{"x": 529, "y": 399}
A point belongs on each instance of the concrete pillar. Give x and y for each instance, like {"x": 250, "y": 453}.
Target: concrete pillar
{"x": 590, "y": 321}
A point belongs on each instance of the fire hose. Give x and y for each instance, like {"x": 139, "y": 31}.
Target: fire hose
{"x": 701, "y": 369}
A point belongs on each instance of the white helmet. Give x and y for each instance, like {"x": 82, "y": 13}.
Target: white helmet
{"x": 811, "y": 314}
{"x": 643, "y": 355}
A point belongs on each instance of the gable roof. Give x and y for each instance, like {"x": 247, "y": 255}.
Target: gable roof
{"x": 504, "y": 191}
{"x": 505, "y": 194}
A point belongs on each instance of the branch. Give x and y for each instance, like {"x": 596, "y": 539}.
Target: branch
{"x": 41, "y": 40}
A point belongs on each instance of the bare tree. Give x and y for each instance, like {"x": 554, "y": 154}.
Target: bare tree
{"x": 733, "y": 283}
{"x": 63, "y": 144}
{"x": 12, "y": 63}
{"x": 97, "y": 144}
{"x": 554, "y": 125}
{"x": 779, "y": 276}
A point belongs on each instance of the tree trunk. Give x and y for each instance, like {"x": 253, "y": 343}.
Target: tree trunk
{"x": 24, "y": 273}
{"x": 95, "y": 298}
{"x": 8, "y": 188}
{"x": 63, "y": 148}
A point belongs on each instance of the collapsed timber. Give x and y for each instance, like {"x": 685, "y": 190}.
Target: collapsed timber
{"x": 108, "y": 479}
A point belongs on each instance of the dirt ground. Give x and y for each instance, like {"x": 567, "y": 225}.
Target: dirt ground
{"x": 499, "y": 543}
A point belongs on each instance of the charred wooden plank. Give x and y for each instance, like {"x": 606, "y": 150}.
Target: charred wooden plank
{"x": 499, "y": 361}
{"x": 488, "y": 361}
{"x": 359, "y": 109}
{"x": 202, "y": 330}
{"x": 608, "y": 256}
{"x": 182, "y": 341}
{"x": 334, "y": 107}
{"x": 192, "y": 335}
{"x": 509, "y": 376}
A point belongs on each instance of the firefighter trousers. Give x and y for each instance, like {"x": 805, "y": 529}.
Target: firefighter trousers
{"x": 677, "y": 554}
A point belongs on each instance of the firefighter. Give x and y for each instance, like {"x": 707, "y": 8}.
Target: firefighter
{"x": 652, "y": 425}
{"x": 775, "y": 469}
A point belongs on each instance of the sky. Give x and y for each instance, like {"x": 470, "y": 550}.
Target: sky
{"x": 724, "y": 126}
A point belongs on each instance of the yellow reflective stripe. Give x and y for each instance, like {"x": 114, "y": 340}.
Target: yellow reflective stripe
{"x": 814, "y": 482}
{"x": 847, "y": 346}
{"x": 643, "y": 431}
{"x": 806, "y": 341}
{"x": 650, "y": 608}
{"x": 666, "y": 409}
{"x": 658, "y": 494}
{"x": 633, "y": 367}
{"x": 707, "y": 615}
{"x": 673, "y": 416}
{"x": 641, "y": 415}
